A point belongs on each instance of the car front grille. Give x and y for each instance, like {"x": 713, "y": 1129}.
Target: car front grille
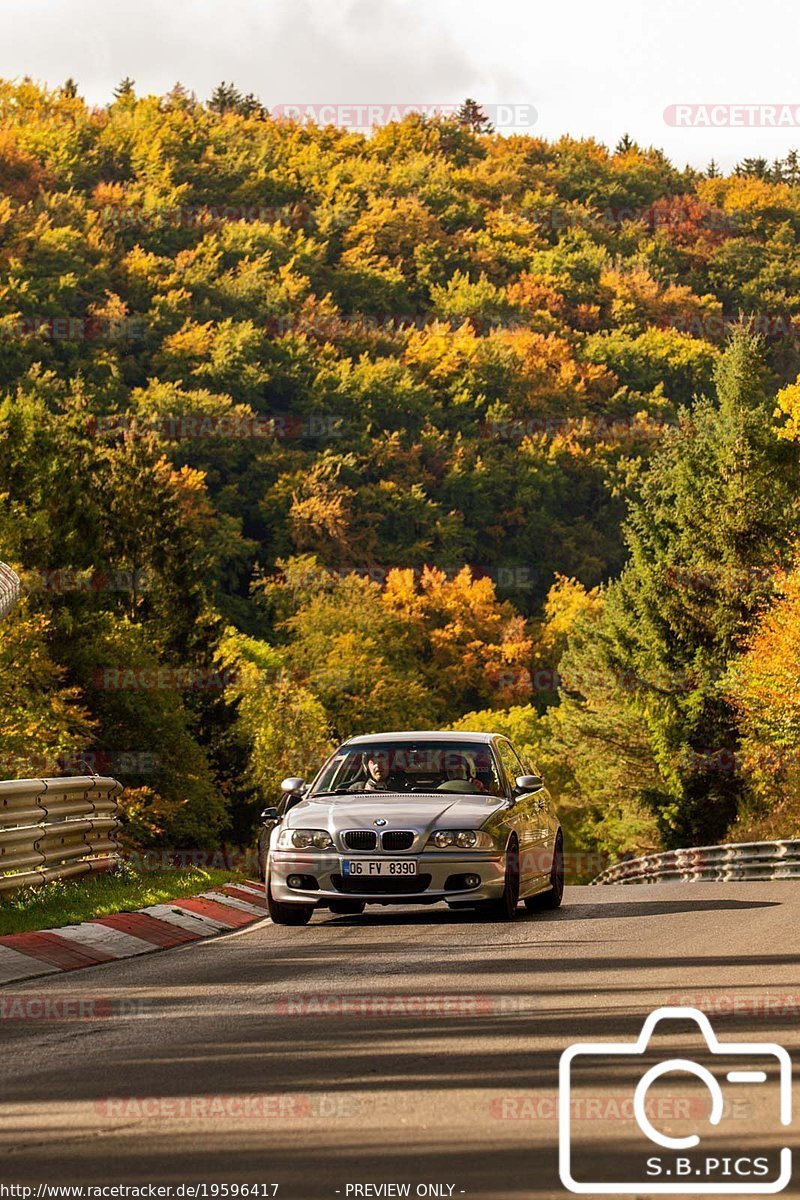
{"x": 391, "y": 885}
{"x": 360, "y": 839}
{"x": 397, "y": 839}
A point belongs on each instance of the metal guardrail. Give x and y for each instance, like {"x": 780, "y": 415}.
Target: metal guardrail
{"x": 56, "y": 829}
{"x": 9, "y": 589}
{"x": 735, "y": 861}
{"x": 53, "y": 828}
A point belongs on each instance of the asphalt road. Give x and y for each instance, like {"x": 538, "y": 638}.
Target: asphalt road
{"x": 406, "y": 1046}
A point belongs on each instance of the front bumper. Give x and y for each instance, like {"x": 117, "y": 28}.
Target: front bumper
{"x": 436, "y": 878}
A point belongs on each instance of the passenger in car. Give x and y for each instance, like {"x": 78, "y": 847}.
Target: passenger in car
{"x": 460, "y": 776}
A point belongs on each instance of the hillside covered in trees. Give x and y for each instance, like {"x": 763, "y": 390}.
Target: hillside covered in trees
{"x": 305, "y": 433}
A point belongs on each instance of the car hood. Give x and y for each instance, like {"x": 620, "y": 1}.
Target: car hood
{"x": 419, "y": 812}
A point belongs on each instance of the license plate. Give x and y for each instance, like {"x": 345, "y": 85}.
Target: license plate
{"x": 370, "y": 867}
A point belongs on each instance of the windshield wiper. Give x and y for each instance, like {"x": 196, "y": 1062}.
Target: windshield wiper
{"x": 346, "y": 792}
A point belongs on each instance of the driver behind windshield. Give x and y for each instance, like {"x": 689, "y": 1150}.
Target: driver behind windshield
{"x": 377, "y": 777}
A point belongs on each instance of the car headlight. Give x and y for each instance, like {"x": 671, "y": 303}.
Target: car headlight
{"x": 304, "y": 839}
{"x": 460, "y": 839}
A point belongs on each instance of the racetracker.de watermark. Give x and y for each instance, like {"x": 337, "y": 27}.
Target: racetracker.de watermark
{"x": 371, "y": 114}
{"x": 47, "y": 1007}
{"x": 761, "y": 1005}
{"x": 392, "y": 1005}
{"x": 733, "y": 116}
{"x": 590, "y": 427}
{"x": 714, "y": 326}
{"x": 196, "y": 216}
{"x": 87, "y": 762}
{"x": 163, "y": 679}
{"x": 608, "y": 1107}
{"x": 236, "y": 426}
{"x": 73, "y": 329}
{"x": 66, "y": 580}
{"x": 508, "y": 577}
{"x": 289, "y": 1106}
{"x": 244, "y": 861}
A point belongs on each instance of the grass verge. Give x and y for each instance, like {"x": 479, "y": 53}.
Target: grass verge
{"x": 69, "y": 902}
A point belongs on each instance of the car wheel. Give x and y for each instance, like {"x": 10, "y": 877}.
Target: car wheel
{"x": 555, "y": 893}
{"x": 262, "y": 863}
{"x": 505, "y": 909}
{"x": 287, "y": 914}
{"x": 347, "y": 908}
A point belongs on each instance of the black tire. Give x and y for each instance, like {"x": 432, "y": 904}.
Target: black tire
{"x": 505, "y": 909}
{"x": 287, "y": 914}
{"x": 552, "y": 898}
{"x": 347, "y": 908}
{"x": 262, "y": 863}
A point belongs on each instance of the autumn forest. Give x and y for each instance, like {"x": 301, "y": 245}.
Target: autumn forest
{"x": 306, "y": 433}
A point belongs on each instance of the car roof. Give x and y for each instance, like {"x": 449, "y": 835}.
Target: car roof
{"x": 416, "y": 735}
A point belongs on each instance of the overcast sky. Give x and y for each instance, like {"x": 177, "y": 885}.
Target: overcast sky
{"x": 587, "y": 68}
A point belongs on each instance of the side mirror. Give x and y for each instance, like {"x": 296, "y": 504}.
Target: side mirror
{"x": 528, "y": 783}
{"x": 270, "y": 814}
{"x": 292, "y": 784}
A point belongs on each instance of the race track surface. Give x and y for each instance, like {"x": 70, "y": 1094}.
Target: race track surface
{"x": 408, "y": 1045}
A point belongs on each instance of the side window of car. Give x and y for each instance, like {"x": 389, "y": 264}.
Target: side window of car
{"x": 512, "y": 766}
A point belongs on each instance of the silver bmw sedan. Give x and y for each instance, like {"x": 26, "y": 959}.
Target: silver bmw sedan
{"x": 415, "y": 818}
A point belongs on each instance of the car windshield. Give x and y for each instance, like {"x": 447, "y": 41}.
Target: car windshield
{"x": 404, "y": 766}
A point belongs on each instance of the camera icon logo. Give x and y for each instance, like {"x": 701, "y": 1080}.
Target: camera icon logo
{"x": 681, "y": 1161}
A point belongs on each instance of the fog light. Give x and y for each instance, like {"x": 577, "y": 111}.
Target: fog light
{"x": 471, "y": 881}
{"x": 295, "y": 881}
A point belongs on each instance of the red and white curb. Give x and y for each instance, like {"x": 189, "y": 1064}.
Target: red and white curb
{"x": 123, "y": 935}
